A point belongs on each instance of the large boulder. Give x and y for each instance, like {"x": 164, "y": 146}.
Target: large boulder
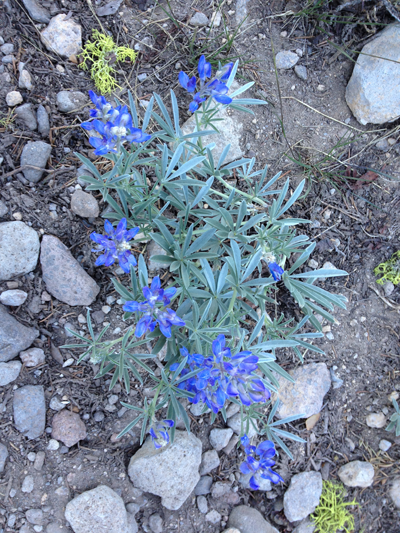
{"x": 373, "y": 90}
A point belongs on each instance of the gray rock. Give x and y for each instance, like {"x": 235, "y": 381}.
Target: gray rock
{"x": 19, "y": 249}
{"x": 219, "y": 438}
{"x": 302, "y": 496}
{"x": 232, "y": 410}
{"x": 383, "y": 146}
{"x": 388, "y": 288}
{"x": 109, "y": 9}
{"x": 83, "y": 171}
{"x": 197, "y": 409}
{"x": 170, "y": 472}
{"x": 132, "y": 524}
{"x": 213, "y": 516}
{"x": 55, "y": 527}
{"x": 62, "y": 36}
{"x": 376, "y": 420}
{"x": 219, "y": 489}
{"x": 394, "y": 492}
{"x": 132, "y": 508}
{"x": 56, "y": 404}
{"x": 306, "y": 395}
{"x": 203, "y": 486}
{"x": 202, "y": 504}
{"x": 100, "y": 510}
{"x": 210, "y": 460}
{"x": 155, "y": 523}
{"x": 385, "y": 445}
{"x": 13, "y": 297}
{"x": 43, "y": 121}
{"x": 65, "y": 279}
{"x": 3, "y": 457}
{"x": 372, "y": 92}
{"x": 249, "y": 520}
{"x": 357, "y": 474}
{"x": 286, "y": 59}
{"x": 68, "y": 428}
{"x": 28, "y": 484}
{"x": 84, "y": 204}
{"x": 30, "y": 410}
{"x": 7, "y": 48}
{"x": 13, "y": 98}
{"x": 14, "y": 337}
{"x": 35, "y": 516}
{"x": 25, "y": 80}
{"x": 36, "y": 154}
{"x": 8, "y": 59}
{"x": 301, "y": 72}
{"x": 39, "y": 461}
{"x": 33, "y": 357}
{"x": 235, "y": 423}
{"x": 199, "y": 19}
{"x": 9, "y": 372}
{"x": 241, "y": 12}
{"x": 265, "y": 484}
{"x": 155, "y": 249}
{"x": 307, "y": 526}
{"x": 230, "y": 131}
{"x": 68, "y": 101}
{"x": 3, "y": 209}
{"x": 36, "y": 11}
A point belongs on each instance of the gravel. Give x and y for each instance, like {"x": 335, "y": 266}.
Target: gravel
{"x": 36, "y": 154}
{"x": 62, "y": 36}
{"x": 385, "y": 445}
{"x": 286, "y": 60}
{"x": 9, "y": 372}
{"x": 65, "y": 279}
{"x": 84, "y": 205}
{"x": 376, "y": 420}
{"x": 33, "y": 357}
{"x": 357, "y": 474}
{"x": 19, "y": 249}
{"x": 302, "y": 496}
{"x": 28, "y": 484}
{"x": 219, "y": 438}
{"x": 13, "y": 297}
{"x": 68, "y": 428}
{"x": 68, "y": 101}
{"x": 249, "y": 520}
{"x": 30, "y": 410}
{"x": 14, "y": 337}
{"x": 25, "y": 80}
{"x": 43, "y": 121}
{"x": 14, "y": 98}
{"x": 26, "y": 115}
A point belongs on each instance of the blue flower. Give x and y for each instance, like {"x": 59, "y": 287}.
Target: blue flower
{"x": 276, "y": 271}
{"x": 215, "y": 88}
{"x": 159, "y": 433}
{"x": 115, "y": 245}
{"x": 259, "y": 467}
{"x": 165, "y": 318}
{"x": 112, "y": 127}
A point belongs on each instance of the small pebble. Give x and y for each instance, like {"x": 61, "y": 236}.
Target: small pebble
{"x": 53, "y": 445}
{"x": 385, "y": 445}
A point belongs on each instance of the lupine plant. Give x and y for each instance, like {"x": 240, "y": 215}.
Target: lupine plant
{"x": 213, "y": 323}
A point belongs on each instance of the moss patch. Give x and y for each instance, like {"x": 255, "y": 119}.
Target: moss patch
{"x": 390, "y": 270}
{"x": 332, "y": 515}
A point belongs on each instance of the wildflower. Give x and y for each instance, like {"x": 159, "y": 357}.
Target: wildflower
{"x": 215, "y": 88}
{"x": 276, "y": 271}
{"x": 259, "y": 467}
{"x": 159, "y": 433}
{"x": 165, "y": 318}
{"x": 115, "y": 245}
{"x": 112, "y": 127}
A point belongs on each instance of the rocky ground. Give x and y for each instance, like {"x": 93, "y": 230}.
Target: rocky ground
{"x": 62, "y": 468}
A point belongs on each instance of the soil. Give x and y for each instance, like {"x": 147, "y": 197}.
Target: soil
{"x": 363, "y": 217}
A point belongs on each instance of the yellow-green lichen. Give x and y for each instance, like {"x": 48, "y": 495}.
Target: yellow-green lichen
{"x": 332, "y": 515}
{"x": 390, "y": 270}
{"x": 102, "y": 53}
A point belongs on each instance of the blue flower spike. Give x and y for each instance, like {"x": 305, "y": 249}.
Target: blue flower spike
{"x": 115, "y": 245}
{"x": 159, "y": 433}
{"x": 111, "y": 127}
{"x": 276, "y": 271}
{"x": 216, "y": 88}
{"x": 153, "y": 315}
{"x": 260, "y": 467}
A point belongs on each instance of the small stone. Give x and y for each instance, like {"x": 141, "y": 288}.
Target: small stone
{"x": 219, "y": 438}
{"x": 36, "y": 154}
{"x": 97, "y": 510}
{"x": 109, "y": 9}
{"x": 382, "y": 145}
{"x": 14, "y": 337}
{"x": 313, "y": 264}
{"x": 9, "y": 372}
{"x": 27, "y": 484}
{"x": 202, "y": 504}
{"x": 106, "y": 309}
{"x": 35, "y": 516}
{"x": 329, "y": 266}
{"x": 286, "y": 59}
{"x": 7, "y": 48}
{"x": 203, "y": 486}
{"x": 84, "y": 205}
{"x": 376, "y": 420}
{"x": 11, "y": 520}
{"x": 36, "y": 11}
{"x": 215, "y": 20}
{"x": 301, "y": 72}
{"x": 393, "y": 396}
{"x": 64, "y": 277}
{"x": 357, "y": 474}
{"x": 62, "y": 36}
{"x": 350, "y": 444}
{"x": 213, "y": 516}
{"x": 394, "y": 492}
{"x": 133, "y": 508}
{"x": 43, "y": 121}
{"x": 19, "y": 249}
{"x": 388, "y": 288}
{"x": 39, "y": 461}
{"x": 231, "y": 444}
{"x": 210, "y": 460}
{"x": 30, "y": 410}
{"x": 219, "y": 489}
{"x": 170, "y": 472}
{"x": 156, "y": 523}
{"x": 249, "y": 520}
{"x": 33, "y": 357}
{"x": 56, "y": 404}
{"x": 14, "y": 297}
{"x": 31, "y": 456}
{"x": 68, "y": 101}
{"x": 25, "y": 81}
{"x": 307, "y": 526}
{"x": 53, "y": 445}
{"x": 8, "y": 60}
{"x": 264, "y": 484}
{"x": 197, "y": 409}
{"x": 26, "y": 115}
{"x": 235, "y": 422}
{"x": 3, "y": 209}
{"x": 198, "y": 19}
{"x": 3, "y": 457}
{"x": 68, "y": 428}
{"x": 302, "y": 496}
{"x": 155, "y": 249}
{"x": 385, "y": 445}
